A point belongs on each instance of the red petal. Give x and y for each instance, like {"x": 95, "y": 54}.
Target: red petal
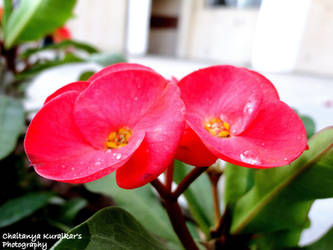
{"x": 230, "y": 93}
{"x": 76, "y": 86}
{"x": 163, "y": 125}
{"x": 275, "y": 138}
{"x": 269, "y": 91}
{"x": 114, "y": 101}
{"x": 192, "y": 151}
{"x": 119, "y": 67}
{"x": 58, "y": 151}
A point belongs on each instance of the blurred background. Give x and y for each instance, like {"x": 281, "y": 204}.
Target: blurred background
{"x": 288, "y": 41}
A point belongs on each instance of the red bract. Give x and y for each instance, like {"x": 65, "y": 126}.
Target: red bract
{"x": 235, "y": 114}
{"x": 126, "y": 118}
{"x": 61, "y": 34}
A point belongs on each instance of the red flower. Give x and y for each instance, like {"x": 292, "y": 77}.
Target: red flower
{"x": 235, "y": 114}
{"x": 61, "y": 34}
{"x": 126, "y": 118}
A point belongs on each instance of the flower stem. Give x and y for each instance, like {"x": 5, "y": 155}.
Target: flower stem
{"x": 187, "y": 181}
{"x": 169, "y": 177}
{"x": 175, "y": 215}
{"x": 179, "y": 225}
{"x": 214, "y": 179}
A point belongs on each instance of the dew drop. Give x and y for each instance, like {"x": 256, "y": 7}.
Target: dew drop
{"x": 73, "y": 169}
{"x": 250, "y": 156}
{"x": 97, "y": 163}
{"x": 285, "y": 158}
{"x": 263, "y": 144}
{"x": 135, "y": 98}
{"x": 62, "y": 166}
{"x": 108, "y": 151}
{"x": 249, "y": 107}
{"x": 118, "y": 156}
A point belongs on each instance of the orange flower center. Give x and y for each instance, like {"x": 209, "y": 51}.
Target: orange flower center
{"x": 119, "y": 138}
{"x": 217, "y": 127}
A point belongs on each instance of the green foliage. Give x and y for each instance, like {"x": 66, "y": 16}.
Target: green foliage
{"x": 280, "y": 198}
{"x": 41, "y": 66}
{"x": 86, "y": 75}
{"x": 110, "y": 228}
{"x": 33, "y": 19}
{"x": 279, "y": 240}
{"x": 19, "y": 208}
{"x": 238, "y": 181}
{"x": 141, "y": 202}
{"x": 198, "y": 197}
{"x": 60, "y": 46}
{"x": 7, "y": 10}
{"x": 70, "y": 209}
{"x": 106, "y": 59}
{"x": 11, "y": 124}
{"x": 309, "y": 124}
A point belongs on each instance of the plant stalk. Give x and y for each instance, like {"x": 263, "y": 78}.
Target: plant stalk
{"x": 214, "y": 177}
{"x": 169, "y": 177}
{"x": 187, "y": 181}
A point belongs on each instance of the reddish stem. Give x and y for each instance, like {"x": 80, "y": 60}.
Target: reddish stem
{"x": 171, "y": 204}
{"x": 179, "y": 224}
{"x": 169, "y": 177}
{"x": 214, "y": 179}
{"x": 175, "y": 215}
{"x": 187, "y": 181}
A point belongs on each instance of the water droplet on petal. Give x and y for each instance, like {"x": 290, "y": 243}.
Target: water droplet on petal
{"x": 108, "y": 151}
{"x": 73, "y": 169}
{"x": 118, "y": 156}
{"x": 97, "y": 163}
{"x": 249, "y": 107}
{"x": 250, "y": 157}
{"x": 63, "y": 166}
{"x": 135, "y": 98}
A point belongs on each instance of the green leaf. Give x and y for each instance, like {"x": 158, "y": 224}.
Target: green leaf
{"x": 309, "y": 124}
{"x": 198, "y": 197}
{"x": 277, "y": 240}
{"x": 61, "y": 45}
{"x": 282, "y": 197}
{"x": 7, "y": 11}
{"x": 110, "y": 228}
{"x": 19, "y": 208}
{"x": 106, "y": 59}
{"x": 86, "y": 75}
{"x": 238, "y": 180}
{"x": 140, "y": 201}
{"x": 41, "y": 66}
{"x": 71, "y": 209}
{"x": 326, "y": 242}
{"x": 11, "y": 124}
{"x": 33, "y": 19}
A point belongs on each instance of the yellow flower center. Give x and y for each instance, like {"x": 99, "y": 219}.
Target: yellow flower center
{"x": 119, "y": 138}
{"x": 217, "y": 127}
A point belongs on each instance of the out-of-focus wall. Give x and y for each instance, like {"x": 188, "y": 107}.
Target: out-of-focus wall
{"x": 101, "y": 23}
{"x": 316, "y": 51}
{"x": 217, "y": 33}
{"x": 163, "y": 40}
